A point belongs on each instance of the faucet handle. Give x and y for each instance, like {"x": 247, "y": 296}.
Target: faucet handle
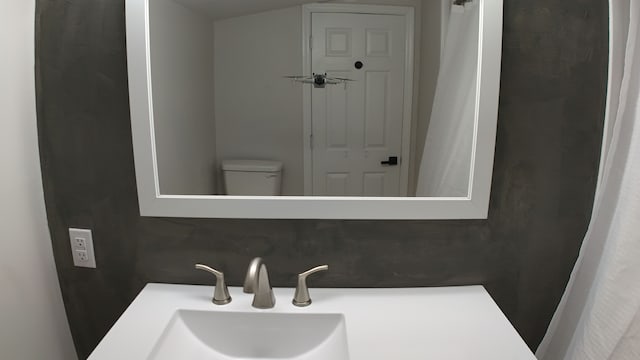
{"x": 301, "y": 297}
{"x": 221, "y": 293}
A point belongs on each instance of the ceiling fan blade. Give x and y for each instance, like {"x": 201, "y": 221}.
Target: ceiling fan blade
{"x": 296, "y": 77}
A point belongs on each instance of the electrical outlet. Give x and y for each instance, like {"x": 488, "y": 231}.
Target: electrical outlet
{"x": 82, "y": 248}
{"x": 80, "y": 243}
{"x": 82, "y": 255}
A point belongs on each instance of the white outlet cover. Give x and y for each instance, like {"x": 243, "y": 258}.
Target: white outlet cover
{"x": 83, "y": 255}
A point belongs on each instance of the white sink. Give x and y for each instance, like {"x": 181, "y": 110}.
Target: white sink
{"x": 179, "y": 322}
{"x": 196, "y": 335}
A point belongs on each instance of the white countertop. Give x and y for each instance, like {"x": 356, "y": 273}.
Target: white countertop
{"x": 410, "y": 323}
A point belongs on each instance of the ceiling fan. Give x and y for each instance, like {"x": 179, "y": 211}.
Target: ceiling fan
{"x": 319, "y": 80}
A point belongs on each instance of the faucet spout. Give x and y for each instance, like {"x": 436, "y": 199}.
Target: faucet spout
{"x": 257, "y": 282}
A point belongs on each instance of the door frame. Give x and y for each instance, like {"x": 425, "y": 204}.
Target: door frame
{"x": 407, "y": 113}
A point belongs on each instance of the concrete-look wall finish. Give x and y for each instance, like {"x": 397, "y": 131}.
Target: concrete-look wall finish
{"x": 548, "y": 144}
{"x": 33, "y": 324}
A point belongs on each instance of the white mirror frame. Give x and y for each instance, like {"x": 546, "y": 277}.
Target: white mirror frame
{"x": 152, "y": 203}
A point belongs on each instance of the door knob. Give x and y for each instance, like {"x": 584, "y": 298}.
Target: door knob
{"x": 393, "y": 161}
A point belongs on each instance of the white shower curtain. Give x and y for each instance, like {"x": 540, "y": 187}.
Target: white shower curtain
{"x": 599, "y": 315}
{"x": 446, "y": 159}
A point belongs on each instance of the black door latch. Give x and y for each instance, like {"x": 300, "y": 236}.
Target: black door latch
{"x": 393, "y": 161}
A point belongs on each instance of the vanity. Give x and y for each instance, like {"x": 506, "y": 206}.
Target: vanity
{"x": 190, "y": 322}
{"x": 180, "y": 322}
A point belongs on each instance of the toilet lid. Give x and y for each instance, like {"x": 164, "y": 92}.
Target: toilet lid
{"x": 252, "y": 165}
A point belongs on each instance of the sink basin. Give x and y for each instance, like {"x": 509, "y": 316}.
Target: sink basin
{"x": 200, "y": 335}
{"x": 179, "y": 322}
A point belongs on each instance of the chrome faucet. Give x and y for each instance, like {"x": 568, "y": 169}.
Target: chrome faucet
{"x": 257, "y": 282}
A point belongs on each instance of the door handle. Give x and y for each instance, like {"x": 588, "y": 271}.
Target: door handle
{"x": 393, "y": 161}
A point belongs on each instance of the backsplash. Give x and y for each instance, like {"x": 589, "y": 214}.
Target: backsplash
{"x": 552, "y": 102}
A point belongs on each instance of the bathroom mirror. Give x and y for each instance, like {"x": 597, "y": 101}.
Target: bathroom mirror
{"x": 292, "y": 109}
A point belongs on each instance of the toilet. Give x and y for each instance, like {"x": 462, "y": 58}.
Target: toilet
{"x": 252, "y": 177}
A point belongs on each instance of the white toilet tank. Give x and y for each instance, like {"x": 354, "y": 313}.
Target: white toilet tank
{"x": 252, "y": 177}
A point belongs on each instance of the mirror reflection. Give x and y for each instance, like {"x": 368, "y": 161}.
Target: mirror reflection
{"x": 284, "y": 98}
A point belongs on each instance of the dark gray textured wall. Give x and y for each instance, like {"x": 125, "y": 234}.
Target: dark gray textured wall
{"x": 549, "y": 133}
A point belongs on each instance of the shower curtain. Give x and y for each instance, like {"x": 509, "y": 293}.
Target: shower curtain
{"x": 446, "y": 160}
{"x": 599, "y": 315}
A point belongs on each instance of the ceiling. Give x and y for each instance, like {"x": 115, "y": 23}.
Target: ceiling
{"x": 221, "y": 9}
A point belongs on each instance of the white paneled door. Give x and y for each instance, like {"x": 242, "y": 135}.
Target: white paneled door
{"x": 357, "y": 127}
